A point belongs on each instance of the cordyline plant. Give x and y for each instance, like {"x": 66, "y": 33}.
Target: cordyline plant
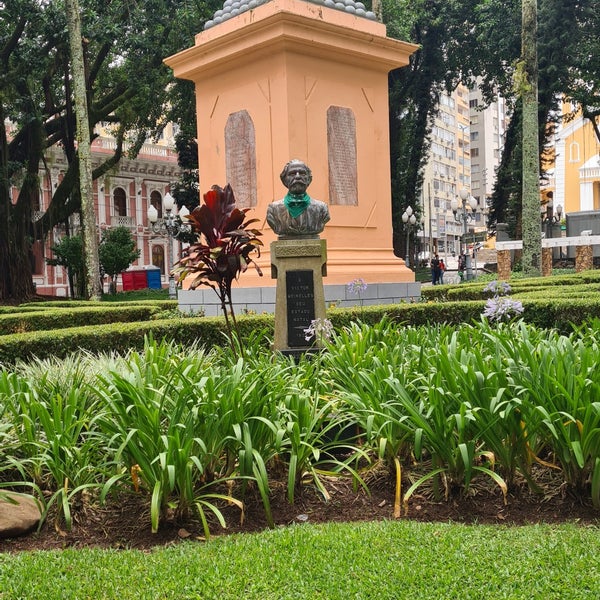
{"x": 223, "y": 248}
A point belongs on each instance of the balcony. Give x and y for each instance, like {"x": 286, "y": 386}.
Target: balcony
{"x": 118, "y": 221}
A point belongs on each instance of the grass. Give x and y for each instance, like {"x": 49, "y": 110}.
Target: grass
{"x": 379, "y": 561}
{"x": 137, "y": 295}
{"x": 478, "y": 379}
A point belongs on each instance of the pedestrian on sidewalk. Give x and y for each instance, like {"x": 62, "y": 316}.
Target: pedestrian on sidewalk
{"x": 442, "y": 266}
{"x": 435, "y": 269}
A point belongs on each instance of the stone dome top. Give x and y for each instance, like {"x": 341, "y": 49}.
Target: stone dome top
{"x": 232, "y": 8}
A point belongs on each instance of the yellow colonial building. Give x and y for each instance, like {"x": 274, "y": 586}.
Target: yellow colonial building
{"x": 577, "y": 166}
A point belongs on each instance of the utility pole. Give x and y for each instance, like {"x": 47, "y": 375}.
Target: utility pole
{"x": 84, "y": 153}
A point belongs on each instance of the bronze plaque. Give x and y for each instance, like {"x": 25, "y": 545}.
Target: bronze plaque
{"x": 300, "y": 293}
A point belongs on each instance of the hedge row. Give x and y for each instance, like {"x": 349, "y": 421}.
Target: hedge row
{"x": 60, "y": 318}
{"x": 121, "y": 337}
{"x": 555, "y": 286}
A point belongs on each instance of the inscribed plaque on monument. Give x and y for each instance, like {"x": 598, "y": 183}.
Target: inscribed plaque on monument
{"x": 341, "y": 155}
{"x": 300, "y": 293}
{"x": 240, "y": 158}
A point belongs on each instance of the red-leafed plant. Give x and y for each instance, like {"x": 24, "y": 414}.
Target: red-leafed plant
{"x": 223, "y": 247}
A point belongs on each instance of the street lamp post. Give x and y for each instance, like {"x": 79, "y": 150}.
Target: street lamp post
{"x": 170, "y": 226}
{"x": 461, "y": 215}
{"x": 549, "y": 219}
{"x": 409, "y": 219}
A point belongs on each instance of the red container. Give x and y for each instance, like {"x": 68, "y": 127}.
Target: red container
{"x": 134, "y": 280}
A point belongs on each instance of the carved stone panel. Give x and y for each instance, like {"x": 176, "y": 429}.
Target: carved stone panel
{"x": 240, "y": 158}
{"x": 341, "y": 154}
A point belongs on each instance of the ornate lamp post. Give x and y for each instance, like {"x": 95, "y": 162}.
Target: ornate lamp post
{"x": 409, "y": 220}
{"x": 549, "y": 218}
{"x": 462, "y": 215}
{"x": 170, "y": 226}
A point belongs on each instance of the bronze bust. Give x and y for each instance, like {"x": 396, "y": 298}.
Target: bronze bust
{"x": 297, "y": 215}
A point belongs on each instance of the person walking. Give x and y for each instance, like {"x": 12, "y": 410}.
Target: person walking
{"x": 435, "y": 269}
{"x": 442, "y": 266}
{"x": 462, "y": 265}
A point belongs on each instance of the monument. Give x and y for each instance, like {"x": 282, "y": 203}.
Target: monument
{"x": 292, "y": 78}
{"x": 298, "y": 259}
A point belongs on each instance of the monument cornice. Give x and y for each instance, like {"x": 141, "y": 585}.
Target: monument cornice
{"x": 296, "y": 26}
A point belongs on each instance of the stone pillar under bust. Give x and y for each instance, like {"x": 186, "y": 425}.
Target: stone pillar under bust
{"x": 298, "y": 265}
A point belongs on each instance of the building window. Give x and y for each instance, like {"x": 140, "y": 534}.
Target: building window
{"x": 158, "y": 258}
{"x": 574, "y": 152}
{"x": 474, "y": 152}
{"x": 473, "y": 103}
{"x": 120, "y": 202}
{"x": 156, "y": 201}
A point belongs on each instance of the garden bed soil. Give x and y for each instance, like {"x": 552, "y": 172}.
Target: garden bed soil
{"x": 126, "y": 523}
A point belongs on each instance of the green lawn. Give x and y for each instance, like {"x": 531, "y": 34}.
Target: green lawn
{"x": 379, "y": 561}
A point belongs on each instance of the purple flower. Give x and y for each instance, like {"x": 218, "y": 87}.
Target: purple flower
{"x": 356, "y": 286}
{"x": 502, "y": 308}
{"x": 497, "y": 288}
{"x": 319, "y": 329}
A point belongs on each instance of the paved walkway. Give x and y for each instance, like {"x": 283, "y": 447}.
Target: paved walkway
{"x": 484, "y": 256}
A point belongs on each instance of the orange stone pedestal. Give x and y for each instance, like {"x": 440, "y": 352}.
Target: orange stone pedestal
{"x": 291, "y": 79}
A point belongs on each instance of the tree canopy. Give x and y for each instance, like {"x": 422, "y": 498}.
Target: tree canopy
{"x": 129, "y": 90}
{"x": 478, "y": 42}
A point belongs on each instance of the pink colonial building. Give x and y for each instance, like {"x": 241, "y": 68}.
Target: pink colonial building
{"x": 121, "y": 198}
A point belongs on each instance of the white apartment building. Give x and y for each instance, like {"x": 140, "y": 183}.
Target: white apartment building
{"x": 466, "y": 147}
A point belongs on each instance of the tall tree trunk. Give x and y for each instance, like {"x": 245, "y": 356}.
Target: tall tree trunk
{"x": 527, "y": 81}
{"x": 16, "y": 281}
{"x": 84, "y": 154}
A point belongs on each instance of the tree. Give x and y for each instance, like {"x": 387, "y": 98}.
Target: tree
{"x": 441, "y": 29}
{"x": 560, "y": 27}
{"x": 129, "y": 89}
{"x": 69, "y": 254}
{"x": 526, "y": 82}
{"x": 117, "y": 252}
{"x": 84, "y": 151}
{"x": 476, "y": 42}
{"x": 584, "y": 91}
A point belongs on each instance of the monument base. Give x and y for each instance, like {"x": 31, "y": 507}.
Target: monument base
{"x": 259, "y": 300}
{"x": 298, "y": 266}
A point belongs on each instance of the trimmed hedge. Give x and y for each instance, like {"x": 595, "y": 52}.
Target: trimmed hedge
{"x": 210, "y": 331}
{"x": 122, "y": 337}
{"x": 60, "y": 318}
{"x": 554, "y": 286}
